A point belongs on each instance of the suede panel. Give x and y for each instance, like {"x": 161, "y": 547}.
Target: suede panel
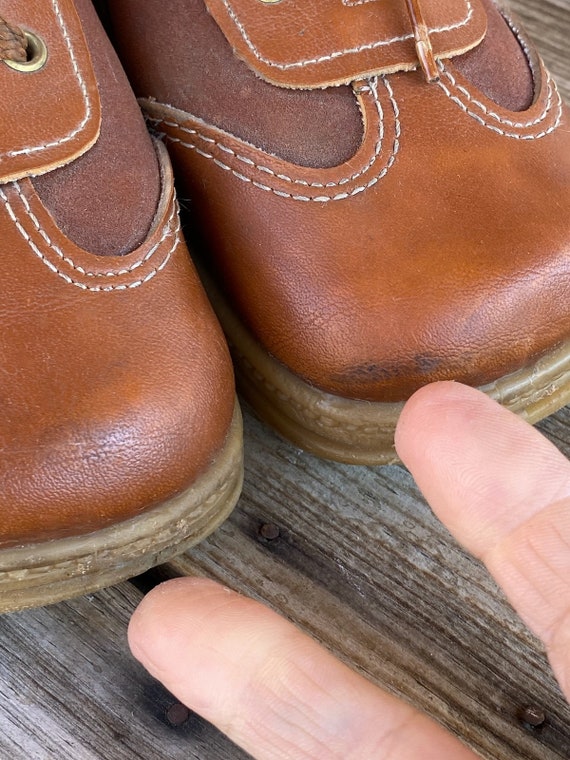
{"x": 498, "y": 67}
{"x": 205, "y": 78}
{"x": 106, "y": 200}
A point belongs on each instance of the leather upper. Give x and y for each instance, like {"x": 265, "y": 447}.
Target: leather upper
{"x": 439, "y": 250}
{"x": 320, "y": 43}
{"x": 117, "y": 389}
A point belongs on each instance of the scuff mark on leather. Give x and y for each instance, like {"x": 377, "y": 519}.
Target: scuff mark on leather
{"x": 371, "y": 372}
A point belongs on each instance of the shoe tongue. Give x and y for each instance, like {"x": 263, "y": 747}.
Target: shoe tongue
{"x": 319, "y": 43}
{"x": 50, "y": 113}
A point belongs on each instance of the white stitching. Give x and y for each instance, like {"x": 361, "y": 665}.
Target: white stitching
{"x": 84, "y": 91}
{"x": 552, "y": 90}
{"x": 492, "y": 114}
{"x": 282, "y": 194}
{"x": 79, "y": 268}
{"x": 517, "y": 32}
{"x": 338, "y": 53}
{"x": 373, "y": 88}
{"x": 77, "y": 283}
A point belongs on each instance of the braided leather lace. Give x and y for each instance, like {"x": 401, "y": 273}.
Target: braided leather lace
{"x": 13, "y": 43}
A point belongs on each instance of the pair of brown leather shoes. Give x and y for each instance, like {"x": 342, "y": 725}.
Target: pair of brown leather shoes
{"x": 378, "y": 195}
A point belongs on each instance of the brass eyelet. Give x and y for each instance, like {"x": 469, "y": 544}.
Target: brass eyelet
{"x": 37, "y": 55}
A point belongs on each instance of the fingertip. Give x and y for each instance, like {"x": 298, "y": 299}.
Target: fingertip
{"x": 272, "y": 689}
{"x": 155, "y": 620}
{"x": 434, "y": 410}
{"x": 482, "y": 469}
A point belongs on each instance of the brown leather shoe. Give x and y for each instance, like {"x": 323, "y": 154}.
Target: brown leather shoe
{"x": 117, "y": 440}
{"x": 382, "y": 191}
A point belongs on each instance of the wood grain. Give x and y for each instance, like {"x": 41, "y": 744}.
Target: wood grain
{"x": 360, "y": 563}
{"x": 548, "y": 21}
{"x": 70, "y": 690}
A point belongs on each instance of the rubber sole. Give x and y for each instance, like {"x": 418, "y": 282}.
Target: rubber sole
{"x": 362, "y": 432}
{"x": 40, "y": 574}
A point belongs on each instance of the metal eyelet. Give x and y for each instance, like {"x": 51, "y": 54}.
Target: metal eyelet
{"x": 37, "y": 55}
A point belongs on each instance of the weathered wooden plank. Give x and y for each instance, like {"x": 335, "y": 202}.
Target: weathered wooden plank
{"x": 362, "y": 565}
{"x": 548, "y": 23}
{"x": 69, "y": 689}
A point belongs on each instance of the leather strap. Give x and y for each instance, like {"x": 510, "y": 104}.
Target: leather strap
{"x": 50, "y": 115}
{"x": 321, "y": 43}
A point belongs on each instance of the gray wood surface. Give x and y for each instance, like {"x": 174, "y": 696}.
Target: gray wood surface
{"x": 360, "y": 563}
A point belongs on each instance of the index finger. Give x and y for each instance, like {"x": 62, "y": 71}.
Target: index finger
{"x": 270, "y": 687}
{"x": 503, "y": 490}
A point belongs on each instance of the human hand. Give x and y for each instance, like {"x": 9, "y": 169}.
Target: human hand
{"x": 504, "y": 492}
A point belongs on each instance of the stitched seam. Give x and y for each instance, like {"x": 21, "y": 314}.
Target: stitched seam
{"x": 516, "y": 135}
{"x": 350, "y": 3}
{"x": 338, "y": 53}
{"x": 517, "y": 32}
{"x": 552, "y": 90}
{"x": 83, "y": 87}
{"x": 492, "y": 114}
{"x": 373, "y": 88}
{"x": 77, "y": 267}
{"x": 77, "y": 283}
{"x": 282, "y": 194}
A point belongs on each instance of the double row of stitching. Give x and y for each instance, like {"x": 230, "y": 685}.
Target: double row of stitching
{"x": 371, "y": 88}
{"x": 170, "y": 231}
{"x": 490, "y": 119}
{"x": 261, "y": 168}
{"x": 86, "y": 273}
{"x": 87, "y": 103}
{"x": 350, "y": 3}
{"x": 339, "y": 53}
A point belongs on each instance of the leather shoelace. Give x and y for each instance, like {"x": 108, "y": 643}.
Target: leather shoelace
{"x": 13, "y": 43}
{"x": 423, "y": 42}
